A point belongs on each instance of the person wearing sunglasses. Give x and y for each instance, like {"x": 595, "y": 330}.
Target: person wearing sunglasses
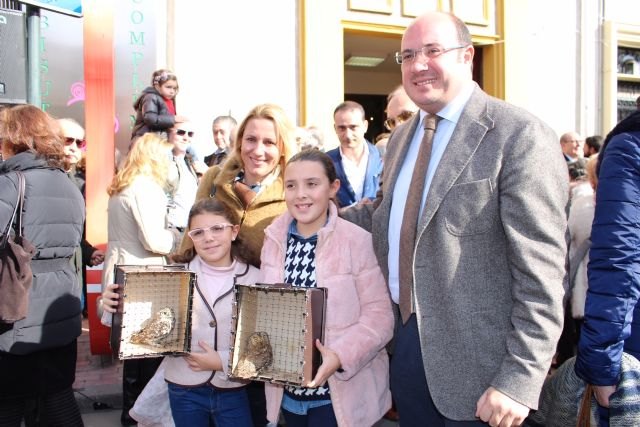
{"x": 182, "y": 175}
{"x": 400, "y": 108}
{"x": 74, "y": 143}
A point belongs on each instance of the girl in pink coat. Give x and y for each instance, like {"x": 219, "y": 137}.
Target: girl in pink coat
{"x": 310, "y": 246}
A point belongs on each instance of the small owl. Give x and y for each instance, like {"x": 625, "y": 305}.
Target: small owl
{"x": 156, "y": 328}
{"x": 257, "y": 356}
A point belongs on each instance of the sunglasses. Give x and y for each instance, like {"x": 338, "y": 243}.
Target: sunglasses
{"x": 79, "y": 142}
{"x": 182, "y": 132}
{"x": 390, "y": 124}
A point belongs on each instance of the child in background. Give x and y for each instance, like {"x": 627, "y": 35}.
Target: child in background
{"x": 309, "y": 246}
{"x": 156, "y": 106}
{"x": 200, "y": 393}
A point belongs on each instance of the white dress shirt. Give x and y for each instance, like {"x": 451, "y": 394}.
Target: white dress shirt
{"x": 356, "y": 172}
{"x": 449, "y": 116}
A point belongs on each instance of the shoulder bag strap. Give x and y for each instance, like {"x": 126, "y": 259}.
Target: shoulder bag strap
{"x": 22, "y": 184}
{"x": 17, "y": 211}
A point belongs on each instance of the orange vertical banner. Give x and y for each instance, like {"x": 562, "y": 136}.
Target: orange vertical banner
{"x": 100, "y": 135}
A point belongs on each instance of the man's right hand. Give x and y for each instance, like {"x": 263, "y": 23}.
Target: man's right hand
{"x": 603, "y": 392}
{"x": 499, "y": 410}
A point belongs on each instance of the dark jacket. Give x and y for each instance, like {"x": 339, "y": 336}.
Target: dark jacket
{"x": 77, "y": 176}
{"x": 152, "y": 113}
{"x": 612, "y": 315}
{"x": 44, "y": 342}
{"x": 216, "y": 158}
{"x": 346, "y": 196}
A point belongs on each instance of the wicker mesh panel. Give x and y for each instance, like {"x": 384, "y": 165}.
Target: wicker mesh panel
{"x": 146, "y": 293}
{"x": 282, "y": 315}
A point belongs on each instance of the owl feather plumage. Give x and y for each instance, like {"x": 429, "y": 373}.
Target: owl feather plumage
{"x": 257, "y": 356}
{"x": 156, "y": 328}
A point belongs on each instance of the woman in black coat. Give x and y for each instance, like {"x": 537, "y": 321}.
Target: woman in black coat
{"x": 38, "y": 353}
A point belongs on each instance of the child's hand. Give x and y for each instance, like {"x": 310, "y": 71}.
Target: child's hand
{"x": 330, "y": 364}
{"x": 110, "y": 298}
{"x": 207, "y": 361}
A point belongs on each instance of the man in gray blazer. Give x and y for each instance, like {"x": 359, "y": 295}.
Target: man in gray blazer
{"x": 490, "y": 248}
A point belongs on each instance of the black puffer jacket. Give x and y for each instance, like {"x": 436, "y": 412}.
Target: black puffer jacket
{"x": 152, "y": 114}
{"x": 43, "y": 344}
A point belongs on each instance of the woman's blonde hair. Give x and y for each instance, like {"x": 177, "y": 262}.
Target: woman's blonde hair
{"x": 149, "y": 155}
{"x": 285, "y": 138}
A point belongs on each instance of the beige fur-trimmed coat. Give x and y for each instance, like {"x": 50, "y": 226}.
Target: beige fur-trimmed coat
{"x": 253, "y": 219}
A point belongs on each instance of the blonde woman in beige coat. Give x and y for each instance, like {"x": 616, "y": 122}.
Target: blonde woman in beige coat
{"x": 138, "y": 235}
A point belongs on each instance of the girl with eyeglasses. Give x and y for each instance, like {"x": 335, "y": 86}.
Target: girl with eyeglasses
{"x": 199, "y": 390}
{"x": 156, "y": 105}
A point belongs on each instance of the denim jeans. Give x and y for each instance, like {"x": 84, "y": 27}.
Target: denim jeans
{"x": 203, "y": 406}
{"x": 301, "y": 407}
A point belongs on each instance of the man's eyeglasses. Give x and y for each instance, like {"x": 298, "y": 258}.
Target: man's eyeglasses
{"x": 182, "y": 132}
{"x": 430, "y": 51}
{"x": 216, "y": 230}
{"x": 79, "y": 142}
{"x": 390, "y": 124}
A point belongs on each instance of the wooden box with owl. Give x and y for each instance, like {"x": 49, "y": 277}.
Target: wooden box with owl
{"x": 154, "y": 315}
{"x": 273, "y": 331}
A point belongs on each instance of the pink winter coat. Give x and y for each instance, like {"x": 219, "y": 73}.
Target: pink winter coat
{"x": 359, "y": 318}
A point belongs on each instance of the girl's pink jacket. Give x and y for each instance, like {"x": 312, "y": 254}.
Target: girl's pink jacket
{"x": 359, "y": 318}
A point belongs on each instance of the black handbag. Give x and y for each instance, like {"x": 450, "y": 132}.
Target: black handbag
{"x": 15, "y": 265}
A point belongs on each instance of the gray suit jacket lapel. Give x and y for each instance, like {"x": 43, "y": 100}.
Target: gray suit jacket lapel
{"x": 470, "y": 131}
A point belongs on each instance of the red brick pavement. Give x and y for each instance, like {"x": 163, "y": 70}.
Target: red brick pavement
{"x": 95, "y": 371}
{"x": 99, "y": 379}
